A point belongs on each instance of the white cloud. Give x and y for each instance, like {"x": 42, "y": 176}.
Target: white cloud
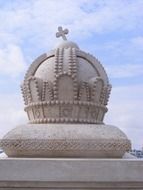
{"x": 41, "y": 18}
{"x": 125, "y": 111}
{"x": 11, "y": 112}
{"x": 137, "y": 42}
{"x": 125, "y": 70}
{"x": 12, "y": 62}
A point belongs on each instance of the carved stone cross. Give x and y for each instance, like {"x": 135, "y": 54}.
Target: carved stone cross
{"x": 62, "y": 33}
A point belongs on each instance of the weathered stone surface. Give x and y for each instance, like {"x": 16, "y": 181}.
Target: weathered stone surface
{"x": 62, "y": 140}
{"x": 41, "y": 174}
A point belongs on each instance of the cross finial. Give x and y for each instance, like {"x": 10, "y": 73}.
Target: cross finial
{"x": 62, "y": 33}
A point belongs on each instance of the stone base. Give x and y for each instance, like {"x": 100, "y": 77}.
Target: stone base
{"x": 69, "y": 174}
{"x": 66, "y": 140}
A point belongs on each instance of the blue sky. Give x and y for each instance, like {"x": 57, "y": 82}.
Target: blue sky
{"x": 111, "y": 30}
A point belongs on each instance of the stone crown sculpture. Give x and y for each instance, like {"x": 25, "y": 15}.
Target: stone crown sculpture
{"x": 66, "y": 85}
{"x": 66, "y": 92}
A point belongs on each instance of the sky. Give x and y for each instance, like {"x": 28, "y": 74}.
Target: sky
{"x": 111, "y": 30}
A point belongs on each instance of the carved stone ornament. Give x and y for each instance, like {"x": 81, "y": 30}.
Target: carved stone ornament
{"x": 66, "y": 87}
{"x": 62, "y": 140}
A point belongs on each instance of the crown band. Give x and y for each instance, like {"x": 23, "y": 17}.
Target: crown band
{"x": 64, "y": 111}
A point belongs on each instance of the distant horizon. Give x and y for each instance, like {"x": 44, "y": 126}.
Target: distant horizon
{"x": 112, "y": 31}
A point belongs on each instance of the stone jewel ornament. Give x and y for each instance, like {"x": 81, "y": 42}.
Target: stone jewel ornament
{"x": 66, "y": 92}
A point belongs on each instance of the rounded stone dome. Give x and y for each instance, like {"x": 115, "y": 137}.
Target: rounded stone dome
{"x": 87, "y": 67}
{"x": 71, "y": 84}
{"x": 68, "y": 44}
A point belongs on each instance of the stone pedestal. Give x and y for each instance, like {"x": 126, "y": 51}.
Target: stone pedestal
{"x": 64, "y": 174}
{"x": 65, "y": 140}
{"x": 66, "y": 93}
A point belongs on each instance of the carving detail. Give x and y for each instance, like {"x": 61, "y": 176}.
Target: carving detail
{"x": 67, "y": 89}
{"x": 63, "y": 145}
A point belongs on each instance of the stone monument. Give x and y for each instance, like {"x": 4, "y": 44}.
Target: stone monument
{"x": 66, "y": 92}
